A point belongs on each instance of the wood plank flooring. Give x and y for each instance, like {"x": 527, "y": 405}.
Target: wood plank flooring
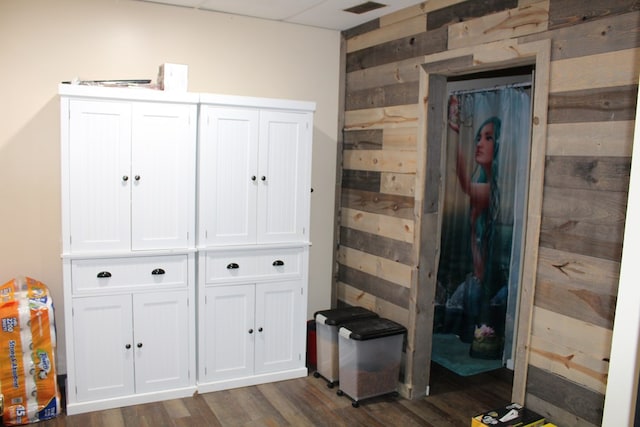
{"x": 309, "y": 402}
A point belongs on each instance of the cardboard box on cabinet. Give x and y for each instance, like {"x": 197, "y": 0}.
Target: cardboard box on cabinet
{"x": 173, "y": 77}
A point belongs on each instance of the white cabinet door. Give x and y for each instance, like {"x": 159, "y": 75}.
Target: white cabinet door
{"x": 279, "y": 323}
{"x": 228, "y": 168}
{"x": 99, "y": 175}
{"x": 103, "y": 350}
{"x": 163, "y": 175}
{"x": 284, "y": 176}
{"x": 229, "y": 332}
{"x": 161, "y": 340}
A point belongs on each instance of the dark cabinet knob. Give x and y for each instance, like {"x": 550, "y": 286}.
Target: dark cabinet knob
{"x": 157, "y": 272}
{"x": 103, "y": 274}
{"x": 137, "y": 177}
{"x": 128, "y": 346}
{"x": 263, "y": 178}
{"x": 139, "y": 345}
{"x": 253, "y": 178}
{"x": 125, "y": 178}
{"x": 260, "y": 329}
{"x": 250, "y": 331}
{"x": 232, "y": 266}
{"x": 278, "y": 263}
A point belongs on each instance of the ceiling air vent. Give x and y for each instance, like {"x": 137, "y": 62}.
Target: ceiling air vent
{"x": 365, "y": 7}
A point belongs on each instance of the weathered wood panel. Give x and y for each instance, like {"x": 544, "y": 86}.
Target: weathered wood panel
{"x": 377, "y": 286}
{"x": 595, "y": 71}
{"x": 572, "y": 12}
{"x": 418, "y": 9}
{"x": 353, "y": 296}
{"x": 610, "y": 139}
{"x": 382, "y": 118}
{"x": 407, "y": 27}
{"x": 380, "y": 160}
{"x": 570, "y": 397}
{"x": 385, "y": 204}
{"x": 372, "y": 25}
{"x": 588, "y": 173}
{"x": 594, "y": 105}
{"x": 381, "y": 225}
{"x": 384, "y": 75}
{"x": 583, "y": 221}
{"x": 383, "y": 247}
{"x": 404, "y": 138}
{"x": 465, "y": 11}
{"x": 579, "y": 286}
{"x": 397, "y": 50}
{"x": 506, "y": 24}
{"x": 370, "y": 139}
{"x": 386, "y": 269}
{"x": 361, "y": 180}
{"x": 398, "y": 183}
{"x": 552, "y": 412}
{"x": 383, "y": 96}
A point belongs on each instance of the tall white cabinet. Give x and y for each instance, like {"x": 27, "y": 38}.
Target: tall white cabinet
{"x": 128, "y": 167}
{"x": 253, "y": 239}
{"x": 185, "y": 242}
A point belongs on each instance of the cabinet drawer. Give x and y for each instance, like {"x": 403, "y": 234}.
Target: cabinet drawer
{"x": 253, "y": 265}
{"x": 136, "y": 272}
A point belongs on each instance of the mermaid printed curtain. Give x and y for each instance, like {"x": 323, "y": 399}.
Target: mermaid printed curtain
{"x": 488, "y": 144}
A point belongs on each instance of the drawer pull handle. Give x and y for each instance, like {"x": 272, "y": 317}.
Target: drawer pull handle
{"x": 233, "y": 266}
{"x": 157, "y": 272}
{"x": 104, "y": 274}
{"x": 278, "y": 263}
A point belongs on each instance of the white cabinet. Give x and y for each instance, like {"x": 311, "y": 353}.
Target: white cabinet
{"x": 128, "y": 167}
{"x": 130, "y": 175}
{"x": 254, "y": 175}
{"x": 130, "y": 344}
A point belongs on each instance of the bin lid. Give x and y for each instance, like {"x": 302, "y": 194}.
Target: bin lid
{"x": 338, "y": 316}
{"x": 367, "y": 329}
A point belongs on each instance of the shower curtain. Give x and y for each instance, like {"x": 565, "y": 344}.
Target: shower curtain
{"x": 485, "y": 182}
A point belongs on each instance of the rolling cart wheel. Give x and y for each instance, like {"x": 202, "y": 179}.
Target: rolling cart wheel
{"x": 395, "y": 394}
{"x": 330, "y": 385}
{"x": 316, "y": 375}
{"x": 339, "y": 392}
{"x": 355, "y": 404}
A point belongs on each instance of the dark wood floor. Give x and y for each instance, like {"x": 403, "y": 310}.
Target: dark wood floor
{"x": 309, "y": 402}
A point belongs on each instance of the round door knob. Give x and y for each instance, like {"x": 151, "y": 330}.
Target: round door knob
{"x": 125, "y": 178}
{"x": 128, "y": 346}
{"x": 139, "y": 345}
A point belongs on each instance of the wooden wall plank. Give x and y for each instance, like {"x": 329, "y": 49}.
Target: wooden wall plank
{"x": 569, "y": 363}
{"x": 404, "y": 71}
{"x": 385, "y": 204}
{"x": 353, "y": 296}
{"x": 401, "y": 184}
{"x": 372, "y": 25}
{"x": 404, "y": 138}
{"x": 386, "y": 33}
{"x": 382, "y": 118}
{"x": 397, "y": 50}
{"x": 383, "y": 96}
{"x": 588, "y": 173}
{"x": 595, "y": 71}
{"x": 381, "y": 225}
{"x": 377, "y": 286}
{"x": 368, "y": 139}
{"x": 506, "y": 24}
{"x": 572, "y": 12}
{"x": 418, "y": 9}
{"x": 466, "y": 10}
{"x": 583, "y": 221}
{"x": 383, "y": 247}
{"x": 361, "y": 180}
{"x": 560, "y": 416}
{"x": 568, "y": 396}
{"x": 616, "y": 103}
{"x": 384, "y": 268}
{"x": 611, "y": 139}
{"x": 380, "y": 160}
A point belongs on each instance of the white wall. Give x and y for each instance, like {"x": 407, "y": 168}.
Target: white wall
{"x": 44, "y": 42}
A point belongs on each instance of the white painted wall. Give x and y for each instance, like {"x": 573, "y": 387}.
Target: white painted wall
{"x": 44, "y": 42}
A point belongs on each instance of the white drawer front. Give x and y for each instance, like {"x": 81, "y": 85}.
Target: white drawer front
{"x": 253, "y": 265}
{"x": 135, "y": 272}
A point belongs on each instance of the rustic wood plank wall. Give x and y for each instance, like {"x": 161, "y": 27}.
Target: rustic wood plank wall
{"x": 595, "y": 61}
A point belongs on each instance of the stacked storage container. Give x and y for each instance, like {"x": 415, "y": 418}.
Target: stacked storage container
{"x": 27, "y": 361}
{"x": 327, "y": 324}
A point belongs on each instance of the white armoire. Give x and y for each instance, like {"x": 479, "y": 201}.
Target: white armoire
{"x": 128, "y": 168}
{"x": 185, "y": 242}
{"x": 254, "y": 162}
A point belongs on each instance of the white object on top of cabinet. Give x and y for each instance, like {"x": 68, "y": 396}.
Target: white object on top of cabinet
{"x": 255, "y": 180}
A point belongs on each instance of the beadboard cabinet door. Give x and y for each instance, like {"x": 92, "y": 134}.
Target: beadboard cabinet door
{"x": 131, "y": 175}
